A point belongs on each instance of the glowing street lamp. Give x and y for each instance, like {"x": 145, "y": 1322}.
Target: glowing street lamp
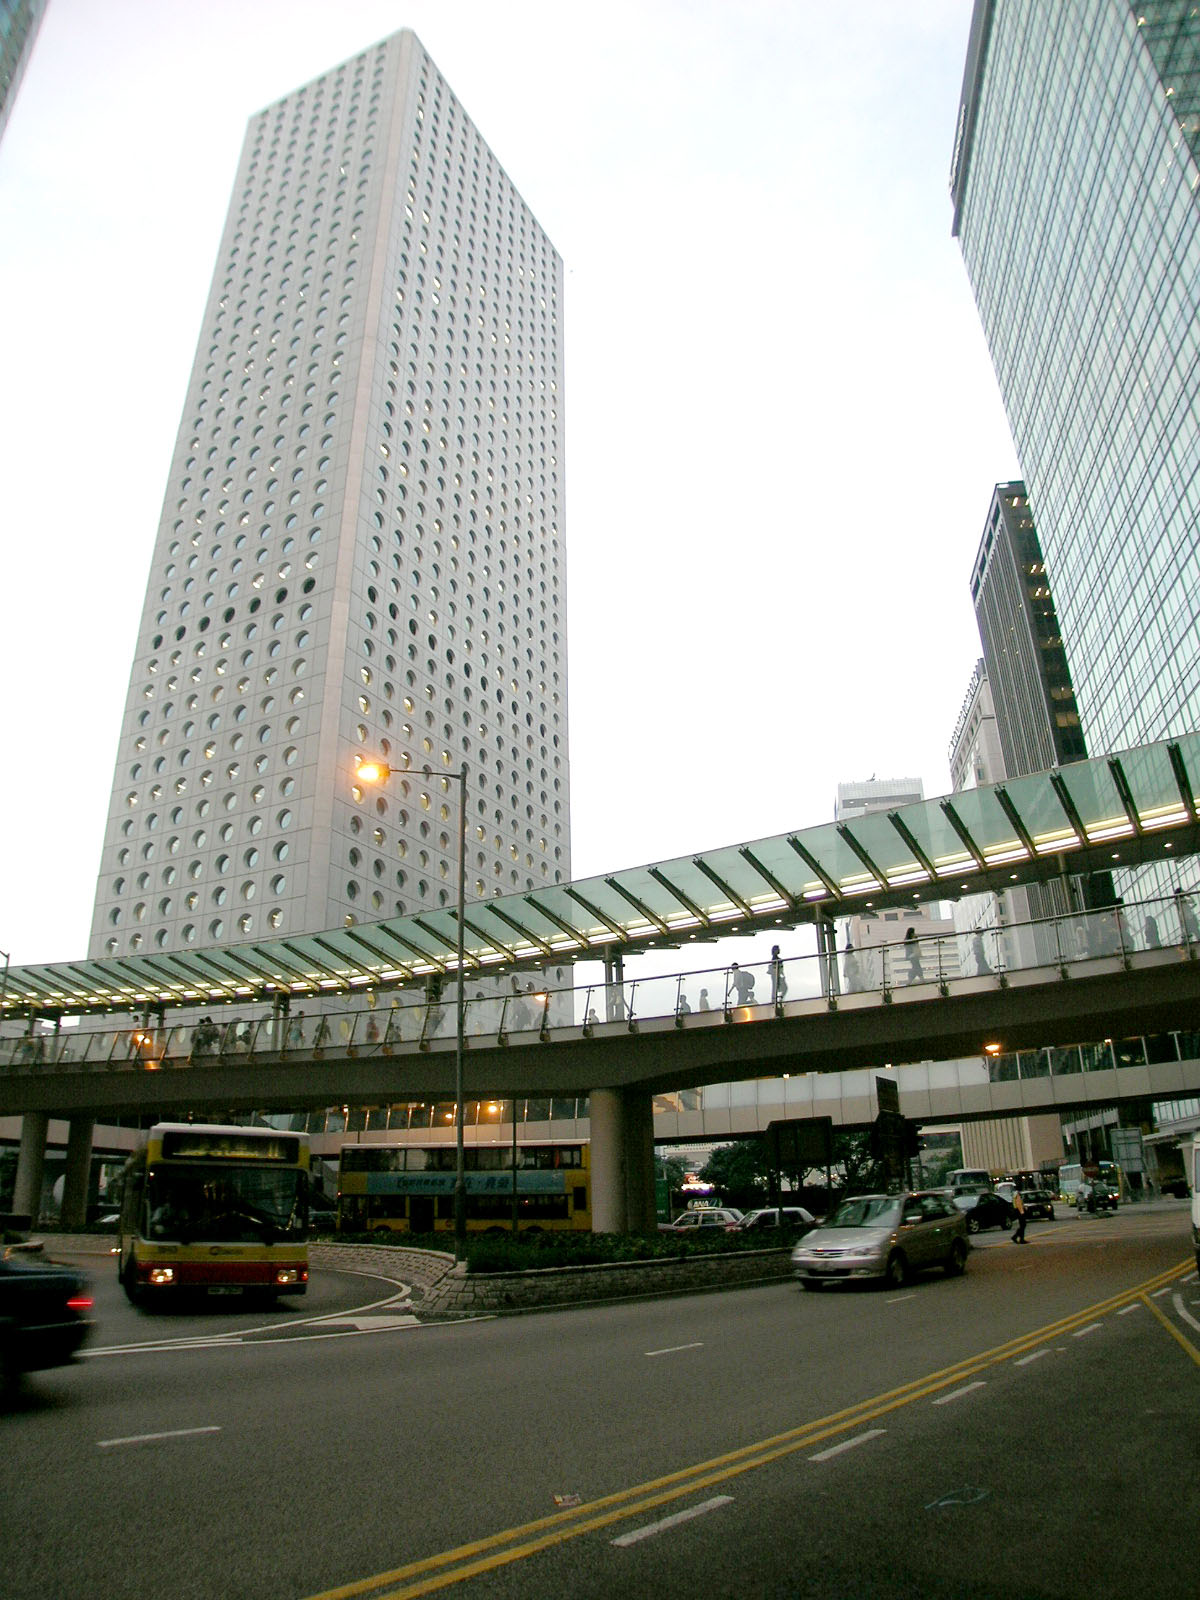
{"x": 370, "y": 771}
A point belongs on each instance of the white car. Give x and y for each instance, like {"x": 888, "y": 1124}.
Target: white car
{"x": 792, "y": 1219}
{"x": 713, "y": 1217}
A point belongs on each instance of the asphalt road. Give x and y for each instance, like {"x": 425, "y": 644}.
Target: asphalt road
{"x": 1027, "y": 1430}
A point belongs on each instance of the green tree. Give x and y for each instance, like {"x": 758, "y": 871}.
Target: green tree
{"x": 670, "y": 1170}
{"x": 853, "y": 1161}
{"x": 739, "y": 1173}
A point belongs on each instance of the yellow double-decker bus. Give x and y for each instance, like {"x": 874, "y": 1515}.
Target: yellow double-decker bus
{"x": 409, "y": 1188}
{"x": 214, "y": 1209}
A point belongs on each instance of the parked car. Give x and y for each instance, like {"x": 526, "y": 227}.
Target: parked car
{"x": 43, "y": 1316}
{"x": 986, "y": 1210}
{"x": 791, "y": 1219}
{"x": 702, "y": 1217}
{"x": 887, "y": 1236}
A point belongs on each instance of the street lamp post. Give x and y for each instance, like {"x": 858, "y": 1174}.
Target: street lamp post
{"x": 380, "y": 772}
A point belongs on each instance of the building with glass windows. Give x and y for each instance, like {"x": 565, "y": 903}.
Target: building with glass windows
{"x": 1076, "y": 196}
{"x": 19, "y": 23}
{"x": 361, "y": 545}
{"x": 869, "y": 959}
{"x": 1037, "y": 721}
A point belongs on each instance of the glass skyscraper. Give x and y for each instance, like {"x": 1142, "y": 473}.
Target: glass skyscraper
{"x": 1076, "y": 198}
{"x": 19, "y": 23}
{"x": 1034, "y": 703}
{"x": 361, "y": 546}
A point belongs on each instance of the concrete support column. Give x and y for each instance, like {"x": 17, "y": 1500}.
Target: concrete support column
{"x": 622, "y": 1159}
{"x": 31, "y": 1160}
{"x": 79, "y": 1167}
{"x": 640, "y": 1211}
{"x": 607, "y": 1158}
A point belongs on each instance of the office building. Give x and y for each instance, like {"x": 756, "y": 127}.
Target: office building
{"x": 1028, "y": 685}
{"x": 974, "y": 753}
{"x": 871, "y": 957}
{"x": 861, "y": 798}
{"x": 19, "y": 23}
{"x": 1076, "y": 197}
{"x": 1037, "y": 720}
{"x": 361, "y": 546}
{"x": 1000, "y": 920}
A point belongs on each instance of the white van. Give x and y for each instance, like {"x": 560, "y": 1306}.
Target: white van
{"x": 969, "y": 1178}
{"x": 1193, "y": 1177}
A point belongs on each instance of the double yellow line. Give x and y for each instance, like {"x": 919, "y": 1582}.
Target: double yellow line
{"x": 516, "y": 1544}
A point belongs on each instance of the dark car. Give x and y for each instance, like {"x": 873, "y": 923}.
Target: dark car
{"x": 788, "y": 1219}
{"x": 985, "y": 1210}
{"x": 1038, "y": 1203}
{"x": 1095, "y": 1197}
{"x": 322, "y": 1218}
{"x": 43, "y": 1316}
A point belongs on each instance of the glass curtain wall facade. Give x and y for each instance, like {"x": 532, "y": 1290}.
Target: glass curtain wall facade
{"x": 19, "y": 23}
{"x": 1077, "y": 206}
{"x": 1036, "y": 718}
{"x": 361, "y": 545}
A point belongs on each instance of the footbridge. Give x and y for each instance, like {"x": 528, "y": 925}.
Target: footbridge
{"x": 385, "y": 1001}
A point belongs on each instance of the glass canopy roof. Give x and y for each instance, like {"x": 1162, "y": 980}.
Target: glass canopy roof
{"x": 1067, "y": 820}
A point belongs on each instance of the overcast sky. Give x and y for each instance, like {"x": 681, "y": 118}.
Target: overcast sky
{"x": 783, "y": 428}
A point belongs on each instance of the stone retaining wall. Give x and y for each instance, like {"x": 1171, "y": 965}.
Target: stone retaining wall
{"x": 457, "y": 1294}
{"x": 420, "y": 1270}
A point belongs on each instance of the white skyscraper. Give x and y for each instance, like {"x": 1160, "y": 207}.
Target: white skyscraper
{"x": 361, "y": 546}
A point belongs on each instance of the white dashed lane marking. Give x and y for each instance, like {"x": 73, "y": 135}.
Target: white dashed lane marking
{"x": 154, "y": 1438}
{"x": 848, "y": 1444}
{"x": 652, "y": 1529}
{"x": 957, "y": 1394}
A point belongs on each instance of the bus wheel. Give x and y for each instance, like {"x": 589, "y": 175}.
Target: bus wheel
{"x": 128, "y": 1277}
{"x": 10, "y": 1371}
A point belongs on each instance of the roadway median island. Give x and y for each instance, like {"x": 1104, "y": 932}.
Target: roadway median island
{"x": 443, "y": 1290}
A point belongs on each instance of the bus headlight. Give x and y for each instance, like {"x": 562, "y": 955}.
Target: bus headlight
{"x": 161, "y": 1275}
{"x": 291, "y": 1275}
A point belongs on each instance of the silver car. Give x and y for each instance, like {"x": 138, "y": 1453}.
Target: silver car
{"x": 887, "y": 1236}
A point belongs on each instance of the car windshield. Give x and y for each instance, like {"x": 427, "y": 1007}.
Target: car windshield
{"x": 868, "y": 1211}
